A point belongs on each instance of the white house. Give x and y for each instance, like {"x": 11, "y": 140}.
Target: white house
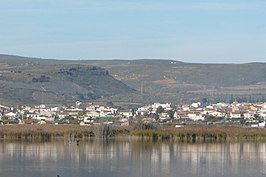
{"x": 181, "y": 115}
{"x": 166, "y": 106}
{"x": 89, "y": 120}
{"x": 126, "y": 113}
{"x": 195, "y": 105}
{"x": 263, "y": 114}
{"x": 262, "y": 124}
{"x": 196, "y": 116}
{"x": 235, "y": 115}
{"x": 41, "y": 117}
{"x": 11, "y": 114}
{"x": 164, "y": 116}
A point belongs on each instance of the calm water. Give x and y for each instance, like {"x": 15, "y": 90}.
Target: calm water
{"x": 132, "y": 159}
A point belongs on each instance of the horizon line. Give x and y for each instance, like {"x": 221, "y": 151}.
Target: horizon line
{"x": 127, "y": 59}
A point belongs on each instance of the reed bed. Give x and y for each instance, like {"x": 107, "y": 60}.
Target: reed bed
{"x": 202, "y": 134}
{"x": 55, "y": 132}
{"x": 184, "y": 134}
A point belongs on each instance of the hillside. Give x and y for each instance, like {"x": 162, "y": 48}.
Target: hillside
{"x": 44, "y": 80}
{"x": 174, "y": 81}
{"x": 36, "y": 81}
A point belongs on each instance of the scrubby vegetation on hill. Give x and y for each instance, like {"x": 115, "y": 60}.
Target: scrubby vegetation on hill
{"x": 35, "y": 81}
{"x": 29, "y": 80}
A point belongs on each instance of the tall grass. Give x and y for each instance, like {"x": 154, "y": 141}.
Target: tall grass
{"x": 202, "y": 133}
{"x": 54, "y": 132}
{"x": 185, "y": 134}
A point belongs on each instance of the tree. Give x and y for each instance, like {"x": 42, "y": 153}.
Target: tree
{"x": 133, "y": 112}
{"x": 204, "y": 101}
{"x": 171, "y": 113}
{"x": 159, "y": 110}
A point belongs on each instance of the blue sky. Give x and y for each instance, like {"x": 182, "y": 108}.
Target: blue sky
{"x": 210, "y": 31}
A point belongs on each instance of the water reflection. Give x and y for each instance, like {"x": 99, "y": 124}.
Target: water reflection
{"x": 132, "y": 159}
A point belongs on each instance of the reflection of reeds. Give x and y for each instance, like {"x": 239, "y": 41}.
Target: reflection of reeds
{"x": 187, "y": 134}
{"x": 103, "y": 131}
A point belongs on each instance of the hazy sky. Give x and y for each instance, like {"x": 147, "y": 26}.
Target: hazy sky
{"x": 187, "y": 30}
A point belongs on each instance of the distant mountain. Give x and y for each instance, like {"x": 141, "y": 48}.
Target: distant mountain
{"x": 33, "y": 80}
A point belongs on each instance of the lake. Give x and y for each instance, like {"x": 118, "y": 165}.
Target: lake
{"x": 118, "y": 158}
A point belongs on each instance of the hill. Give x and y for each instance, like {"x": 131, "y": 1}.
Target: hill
{"x": 175, "y": 81}
{"x": 44, "y": 80}
{"x": 36, "y": 81}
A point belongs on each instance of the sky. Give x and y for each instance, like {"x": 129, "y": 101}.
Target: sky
{"x": 198, "y": 31}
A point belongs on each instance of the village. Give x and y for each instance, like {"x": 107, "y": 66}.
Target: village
{"x": 239, "y": 114}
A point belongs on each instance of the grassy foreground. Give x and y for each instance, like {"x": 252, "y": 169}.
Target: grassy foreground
{"x": 185, "y": 134}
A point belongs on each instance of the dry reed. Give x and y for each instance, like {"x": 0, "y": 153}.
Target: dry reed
{"x": 187, "y": 133}
{"x": 203, "y": 133}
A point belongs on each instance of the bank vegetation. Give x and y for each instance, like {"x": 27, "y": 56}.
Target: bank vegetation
{"x": 214, "y": 133}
